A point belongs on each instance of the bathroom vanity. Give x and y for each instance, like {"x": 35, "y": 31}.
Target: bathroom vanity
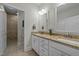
{"x": 54, "y": 45}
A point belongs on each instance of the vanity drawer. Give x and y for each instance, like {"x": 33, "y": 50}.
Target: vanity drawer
{"x": 65, "y": 48}
{"x": 44, "y": 46}
{"x": 43, "y": 41}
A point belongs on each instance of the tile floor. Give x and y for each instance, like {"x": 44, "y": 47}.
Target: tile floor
{"x": 12, "y": 50}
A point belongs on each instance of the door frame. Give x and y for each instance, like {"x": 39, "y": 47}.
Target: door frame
{"x": 19, "y": 11}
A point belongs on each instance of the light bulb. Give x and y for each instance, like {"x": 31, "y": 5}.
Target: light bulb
{"x": 42, "y": 12}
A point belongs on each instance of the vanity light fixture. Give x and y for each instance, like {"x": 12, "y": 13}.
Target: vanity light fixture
{"x": 43, "y": 11}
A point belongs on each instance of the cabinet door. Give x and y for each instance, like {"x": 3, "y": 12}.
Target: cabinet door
{"x": 35, "y": 43}
{"x": 43, "y": 47}
{"x": 43, "y": 52}
{"x": 54, "y": 52}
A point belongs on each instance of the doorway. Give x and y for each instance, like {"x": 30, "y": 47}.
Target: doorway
{"x": 12, "y": 30}
{"x": 15, "y": 30}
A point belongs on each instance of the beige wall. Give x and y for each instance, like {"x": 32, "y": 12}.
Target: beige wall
{"x": 15, "y": 30}
{"x": 12, "y": 27}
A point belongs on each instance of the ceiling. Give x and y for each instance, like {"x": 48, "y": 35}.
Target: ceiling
{"x": 10, "y": 10}
{"x": 68, "y": 6}
{"x": 47, "y": 5}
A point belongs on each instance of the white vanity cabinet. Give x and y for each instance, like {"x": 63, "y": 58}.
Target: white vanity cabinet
{"x": 46, "y": 47}
{"x": 35, "y": 43}
{"x": 40, "y": 45}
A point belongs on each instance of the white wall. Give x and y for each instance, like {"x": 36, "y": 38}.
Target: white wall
{"x": 52, "y": 18}
{"x": 2, "y": 30}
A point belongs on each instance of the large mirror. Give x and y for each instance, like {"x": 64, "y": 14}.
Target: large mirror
{"x": 68, "y": 18}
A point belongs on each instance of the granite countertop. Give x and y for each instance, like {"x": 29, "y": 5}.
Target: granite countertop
{"x": 59, "y": 38}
